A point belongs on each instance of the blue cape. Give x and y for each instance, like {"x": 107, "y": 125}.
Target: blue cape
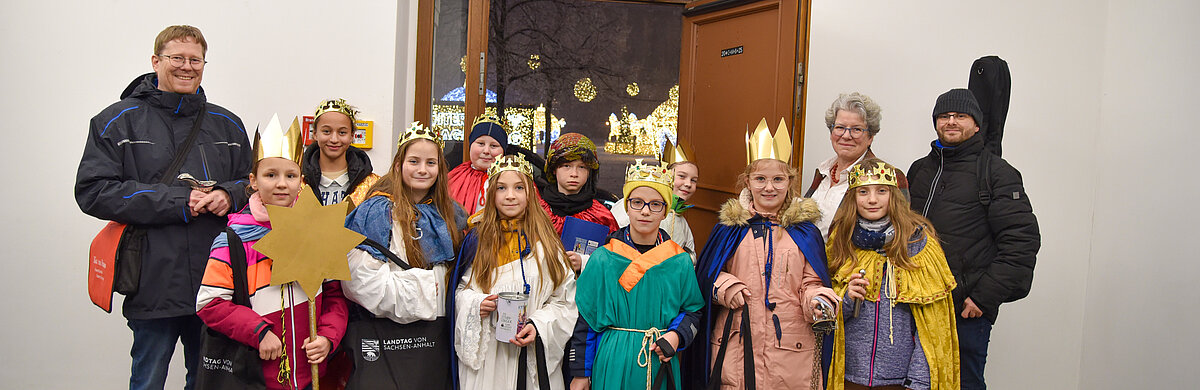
{"x": 721, "y": 245}
{"x": 466, "y": 256}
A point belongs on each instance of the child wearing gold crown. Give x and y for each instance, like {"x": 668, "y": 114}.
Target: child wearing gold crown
{"x": 332, "y": 166}
{"x": 897, "y": 323}
{"x": 640, "y": 291}
{"x": 273, "y": 319}
{"x": 765, "y": 264}
{"x": 686, "y": 175}
{"x": 512, "y": 250}
{"x": 487, "y": 141}
{"x": 410, "y": 211}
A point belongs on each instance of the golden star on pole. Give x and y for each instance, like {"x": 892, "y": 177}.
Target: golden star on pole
{"x": 308, "y": 243}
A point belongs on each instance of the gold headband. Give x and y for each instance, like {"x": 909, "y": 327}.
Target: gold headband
{"x": 337, "y": 105}
{"x": 657, "y": 177}
{"x": 490, "y": 118}
{"x": 417, "y": 130}
{"x": 880, "y": 174}
{"x": 510, "y": 163}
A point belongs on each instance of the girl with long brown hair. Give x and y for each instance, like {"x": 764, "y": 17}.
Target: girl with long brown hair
{"x": 409, "y": 210}
{"x": 896, "y": 329}
{"x": 513, "y": 251}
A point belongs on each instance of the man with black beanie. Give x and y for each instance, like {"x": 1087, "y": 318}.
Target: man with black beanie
{"x": 978, "y": 206}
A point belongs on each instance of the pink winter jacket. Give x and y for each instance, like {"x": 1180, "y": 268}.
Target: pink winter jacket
{"x": 784, "y": 362}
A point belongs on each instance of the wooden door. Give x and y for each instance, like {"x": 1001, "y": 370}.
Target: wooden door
{"x": 741, "y": 61}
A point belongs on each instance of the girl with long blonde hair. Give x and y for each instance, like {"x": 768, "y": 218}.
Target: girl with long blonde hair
{"x": 896, "y": 329}
{"x": 512, "y": 249}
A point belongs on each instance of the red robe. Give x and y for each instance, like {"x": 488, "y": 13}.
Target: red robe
{"x": 597, "y": 213}
{"x": 467, "y": 186}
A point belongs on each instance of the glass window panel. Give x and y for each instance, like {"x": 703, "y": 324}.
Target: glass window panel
{"x": 607, "y": 70}
{"x": 449, "y": 78}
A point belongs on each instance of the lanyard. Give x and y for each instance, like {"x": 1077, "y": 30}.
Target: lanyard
{"x": 769, "y": 243}
{"x": 523, "y": 242}
{"x": 657, "y": 241}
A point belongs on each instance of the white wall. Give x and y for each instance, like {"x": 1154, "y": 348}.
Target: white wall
{"x": 1087, "y": 78}
{"x": 1084, "y": 77}
{"x": 1140, "y": 318}
{"x": 63, "y": 63}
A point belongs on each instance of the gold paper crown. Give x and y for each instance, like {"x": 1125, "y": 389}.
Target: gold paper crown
{"x": 657, "y": 177}
{"x": 272, "y": 141}
{"x": 639, "y": 171}
{"x": 337, "y": 105}
{"x": 510, "y": 163}
{"x": 673, "y": 153}
{"x": 490, "y": 118}
{"x": 417, "y": 130}
{"x": 761, "y": 144}
{"x": 880, "y": 174}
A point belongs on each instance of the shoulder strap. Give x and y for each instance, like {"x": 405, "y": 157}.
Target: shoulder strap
{"x": 714, "y": 380}
{"x": 386, "y": 252}
{"x": 522, "y": 367}
{"x": 181, "y": 151}
{"x": 748, "y": 348}
{"x": 815, "y": 183}
{"x": 237, "y": 261}
{"x": 665, "y": 375}
{"x": 983, "y": 174}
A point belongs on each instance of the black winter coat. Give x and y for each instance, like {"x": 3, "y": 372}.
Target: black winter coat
{"x": 358, "y": 167}
{"x": 129, "y": 145}
{"x": 991, "y": 250}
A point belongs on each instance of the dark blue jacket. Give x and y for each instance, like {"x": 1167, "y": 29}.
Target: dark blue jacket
{"x": 129, "y": 145}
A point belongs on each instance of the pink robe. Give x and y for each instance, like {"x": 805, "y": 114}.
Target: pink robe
{"x": 779, "y": 363}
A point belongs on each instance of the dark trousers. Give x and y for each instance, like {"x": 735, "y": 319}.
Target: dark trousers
{"x": 973, "y": 337}
{"x": 154, "y": 343}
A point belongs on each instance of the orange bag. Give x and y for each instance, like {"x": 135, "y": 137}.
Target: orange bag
{"x": 102, "y": 264}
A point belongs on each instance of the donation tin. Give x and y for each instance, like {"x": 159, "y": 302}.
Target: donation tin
{"x": 510, "y": 311}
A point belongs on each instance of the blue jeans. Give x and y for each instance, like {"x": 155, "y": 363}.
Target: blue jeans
{"x": 153, "y": 345}
{"x": 973, "y": 337}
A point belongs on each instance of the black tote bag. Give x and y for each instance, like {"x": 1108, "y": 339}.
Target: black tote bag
{"x": 386, "y": 353}
{"x": 226, "y": 364}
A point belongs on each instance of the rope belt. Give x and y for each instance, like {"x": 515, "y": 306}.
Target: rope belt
{"x": 645, "y": 355}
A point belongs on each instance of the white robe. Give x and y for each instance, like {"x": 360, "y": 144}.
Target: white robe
{"x": 485, "y": 363}
{"x": 388, "y": 291}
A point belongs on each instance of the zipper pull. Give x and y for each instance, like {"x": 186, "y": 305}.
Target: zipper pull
{"x": 778, "y": 329}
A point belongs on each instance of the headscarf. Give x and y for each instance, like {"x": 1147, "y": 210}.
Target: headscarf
{"x": 570, "y": 147}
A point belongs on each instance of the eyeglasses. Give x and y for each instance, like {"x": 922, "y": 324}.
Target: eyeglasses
{"x": 178, "y": 61}
{"x": 855, "y": 132}
{"x": 958, "y": 116}
{"x": 760, "y": 182}
{"x": 638, "y": 204}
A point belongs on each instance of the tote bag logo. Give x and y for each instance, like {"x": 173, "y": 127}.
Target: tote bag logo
{"x": 370, "y": 349}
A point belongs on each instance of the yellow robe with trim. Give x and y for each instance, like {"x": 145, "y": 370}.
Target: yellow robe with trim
{"x": 927, "y": 291}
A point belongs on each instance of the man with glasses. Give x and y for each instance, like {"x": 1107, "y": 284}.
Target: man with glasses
{"x": 979, "y": 208}
{"x": 123, "y": 177}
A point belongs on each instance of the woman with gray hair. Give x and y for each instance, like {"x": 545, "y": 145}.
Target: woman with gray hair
{"x": 853, "y": 122}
